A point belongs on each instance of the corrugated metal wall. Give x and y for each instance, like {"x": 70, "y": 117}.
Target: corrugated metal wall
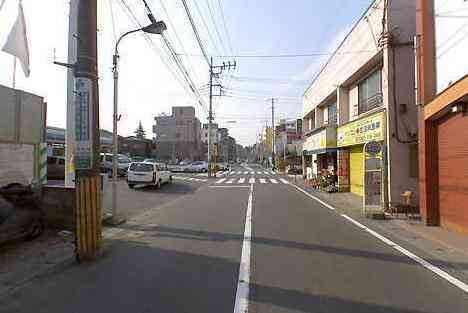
{"x": 453, "y": 172}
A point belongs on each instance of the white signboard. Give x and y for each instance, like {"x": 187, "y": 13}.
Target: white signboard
{"x": 83, "y": 123}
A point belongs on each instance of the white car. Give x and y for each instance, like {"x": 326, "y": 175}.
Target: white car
{"x": 197, "y": 167}
{"x": 122, "y": 163}
{"x": 147, "y": 173}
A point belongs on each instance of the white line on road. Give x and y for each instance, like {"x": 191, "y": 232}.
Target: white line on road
{"x": 284, "y": 181}
{"x": 241, "y": 180}
{"x": 230, "y": 181}
{"x": 220, "y": 181}
{"x": 232, "y": 186}
{"x": 252, "y": 180}
{"x": 273, "y": 181}
{"x": 315, "y": 198}
{"x": 454, "y": 281}
{"x": 252, "y": 173}
{"x": 260, "y": 173}
{"x": 267, "y": 173}
{"x": 262, "y": 181}
{"x": 245, "y": 173}
{"x": 436, "y": 270}
{"x": 242, "y": 293}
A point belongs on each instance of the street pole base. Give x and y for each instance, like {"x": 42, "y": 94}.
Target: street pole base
{"x": 114, "y": 220}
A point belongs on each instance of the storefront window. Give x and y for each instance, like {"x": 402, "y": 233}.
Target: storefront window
{"x": 370, "y": 92}
{"x": 332, "y": 117}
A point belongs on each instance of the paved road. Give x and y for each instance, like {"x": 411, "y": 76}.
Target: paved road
{"x": 185, "y": 256}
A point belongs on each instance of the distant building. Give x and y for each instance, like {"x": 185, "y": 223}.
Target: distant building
{"x": 177, "y": 136}
{"x": 134, "y": 146}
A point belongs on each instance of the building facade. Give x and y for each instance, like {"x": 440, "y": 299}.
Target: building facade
{"x": 288, "y": 142}
{"x": 177, "y": 136}
{"x": 365, "y": 92}
{"x": 442, "y": 95}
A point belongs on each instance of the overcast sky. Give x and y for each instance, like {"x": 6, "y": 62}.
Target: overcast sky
{"x": 147, "y": 86}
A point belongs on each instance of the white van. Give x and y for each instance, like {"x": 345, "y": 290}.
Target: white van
{"x": 147, "y": 173}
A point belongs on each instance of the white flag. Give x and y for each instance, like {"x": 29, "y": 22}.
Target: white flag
{"x": 17, "y": 42}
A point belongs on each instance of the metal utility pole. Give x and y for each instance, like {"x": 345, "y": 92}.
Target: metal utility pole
{"x": 215, "y": 72}
{"x": 273, "y": 149}
{"x": 87, "y": 162}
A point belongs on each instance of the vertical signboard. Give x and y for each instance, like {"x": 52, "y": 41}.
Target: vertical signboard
{"x": 373, "y": 178}
{"x": 83, "y": 123}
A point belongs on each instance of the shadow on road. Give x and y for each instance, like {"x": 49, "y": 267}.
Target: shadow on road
{"x": 156, "y": 279}
{"x": 200, "y": 235}
{"x": 173, "y": 188}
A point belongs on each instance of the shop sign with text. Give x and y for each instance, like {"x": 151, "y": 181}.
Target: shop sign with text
{"x": 362, "y": 131}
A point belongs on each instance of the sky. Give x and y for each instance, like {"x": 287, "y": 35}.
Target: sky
{"x": 148, "y": 85}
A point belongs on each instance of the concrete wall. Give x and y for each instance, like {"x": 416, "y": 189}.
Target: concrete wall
{"x": 58, "y": 204}
{"x": 403, "y": 106}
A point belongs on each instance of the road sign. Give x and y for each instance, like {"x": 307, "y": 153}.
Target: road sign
{"x": 373, "y": 178}
{"x": 83, "y": 123}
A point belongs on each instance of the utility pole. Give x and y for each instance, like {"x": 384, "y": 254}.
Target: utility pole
{"x": 86, "y": 158}
{"x": 215, "y": 72}
{"x": 273, "y": 149}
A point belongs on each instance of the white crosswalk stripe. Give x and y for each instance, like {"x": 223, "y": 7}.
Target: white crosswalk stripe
{"x": 252, "y": 180}
{"x": 267, "y": 173}
{"x": 252, "y": 173}
{"x": 241, "y": 181}
{"x": 262, "y": 180}
{"x": 273, "y": 181}
{"x": 245, "y": 173}
{"x": 232, "y": 173}
{"x": 284, "y": 181}
{"x": 259, "y": 173}
{"x": 220, "y": 181}
{"x": 230, "y": 181}
{"x": 245, "y": 180}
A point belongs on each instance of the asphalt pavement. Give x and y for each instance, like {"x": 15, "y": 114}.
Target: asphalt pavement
{"x": 249, "y": 232}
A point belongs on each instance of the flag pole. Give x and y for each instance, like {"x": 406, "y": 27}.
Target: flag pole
{"x": 14, "y": 72}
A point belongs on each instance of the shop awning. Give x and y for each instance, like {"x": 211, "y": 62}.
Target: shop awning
{"x": 319, "y": 151}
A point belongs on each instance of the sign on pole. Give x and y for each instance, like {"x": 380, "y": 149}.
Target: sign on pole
{"x": 373, "y": 178}
{"x": 83, "y": 124}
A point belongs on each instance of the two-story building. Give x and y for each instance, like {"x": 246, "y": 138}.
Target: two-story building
{"x": 365, "y": 92}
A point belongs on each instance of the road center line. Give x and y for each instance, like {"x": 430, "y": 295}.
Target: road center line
{"x": 242, "y": 293}
{"x": 436, "y": 270}
{"x": 232, "y": 186}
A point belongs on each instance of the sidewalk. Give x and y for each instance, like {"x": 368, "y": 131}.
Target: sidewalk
{"x": 442, "y": 247}
{"x": 23, "y": 261}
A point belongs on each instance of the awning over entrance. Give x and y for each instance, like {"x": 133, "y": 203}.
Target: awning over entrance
{"x": 319, "y": 151}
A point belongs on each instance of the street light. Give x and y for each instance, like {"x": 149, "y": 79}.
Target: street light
{"x": 153, "y": 28}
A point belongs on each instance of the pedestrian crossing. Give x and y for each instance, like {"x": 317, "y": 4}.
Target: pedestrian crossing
{"x": 252, "y": 173}
{"x": 251, "y": 180}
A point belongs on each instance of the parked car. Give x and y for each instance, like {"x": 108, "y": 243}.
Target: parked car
{"x": 122, "y": 164}
{"x": 147, "y": 173}
{"x": 56, "y": 167}
{"x": 137, "y": 159}
{"x": 180, "y": 167}
{"x": 20, "y": 214}
{"x": 149, "y": 160}
{"x": 197, "y": 167}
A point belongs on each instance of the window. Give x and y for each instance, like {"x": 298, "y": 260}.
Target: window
{"x": 370, "y": 92}
{"x": 332, "y": 117}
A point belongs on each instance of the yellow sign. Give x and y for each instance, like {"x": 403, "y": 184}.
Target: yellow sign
{"x": 362, "y": 130}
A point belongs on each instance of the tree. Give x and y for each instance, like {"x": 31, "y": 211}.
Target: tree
{"x": 140, "y": 132}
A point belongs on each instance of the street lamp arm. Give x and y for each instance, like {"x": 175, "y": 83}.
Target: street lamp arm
{"x": 121, "y": 37}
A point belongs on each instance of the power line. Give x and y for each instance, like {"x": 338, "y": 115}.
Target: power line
{"x": 216, "y": 27}
{"x": 225, "y": 26}
{"x": 273, "y": 56}
{"x": 177, "y": 36}
{"x": 195, "y": 31}
{"x": 213, "y": 41}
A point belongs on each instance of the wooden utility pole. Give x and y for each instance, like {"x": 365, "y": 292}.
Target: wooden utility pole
{"x": 86, "y": 158}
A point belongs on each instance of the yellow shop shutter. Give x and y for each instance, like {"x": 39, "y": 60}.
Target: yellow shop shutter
{"x": 356, "y": 172}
